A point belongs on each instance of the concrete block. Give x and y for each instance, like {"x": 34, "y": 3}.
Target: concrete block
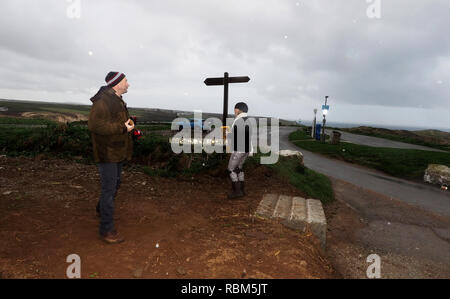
{"x": 283, "y": 207}
{"x": 298, "y": 216}
{"x": 296, "y": 213}
{"x": 317, "y": 223}
{"x": 267, "y": 205}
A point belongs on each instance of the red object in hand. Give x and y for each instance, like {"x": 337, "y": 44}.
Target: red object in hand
{"x": 137, "y": 134}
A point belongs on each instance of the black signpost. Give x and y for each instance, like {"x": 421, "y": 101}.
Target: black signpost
{"x": 225, "y": 81}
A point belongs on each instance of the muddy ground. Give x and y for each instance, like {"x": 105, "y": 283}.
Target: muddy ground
{"x": 47, "y": 213}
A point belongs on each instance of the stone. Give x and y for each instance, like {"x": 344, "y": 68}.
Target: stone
{"x": 181, "y": 271}
{"x": 256, "y": 234}
{"x": 283, "y": 207}
{"x": 437, "y": 174}
{"x": 295, "y": 154}
{"x": 297, "y": 219}
{"x": 138, "y": 272}
{"x": 316, "y": 219}
{"x": 267, "y": 205}
{"x": 296, "y": 213}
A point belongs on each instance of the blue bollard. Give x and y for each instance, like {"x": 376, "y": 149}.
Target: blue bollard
{"x": 318, "y": 131}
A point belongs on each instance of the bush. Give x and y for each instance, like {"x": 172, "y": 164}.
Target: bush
{"x": 59, "y": 139}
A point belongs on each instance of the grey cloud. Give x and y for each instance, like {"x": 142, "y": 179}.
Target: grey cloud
{"x": 295, "y": 54}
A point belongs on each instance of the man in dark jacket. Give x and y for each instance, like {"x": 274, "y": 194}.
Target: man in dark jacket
{"x": 240, "y": 140}
{"x": 110, "y": 126}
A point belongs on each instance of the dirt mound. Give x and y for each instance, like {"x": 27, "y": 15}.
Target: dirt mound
{"x": 47, "y": 213}
{"x": 58, "y": 117}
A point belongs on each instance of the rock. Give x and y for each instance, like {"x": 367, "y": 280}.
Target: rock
{"x": 256, "y": 234}
{"x": 336, "y": 137}
{"x": 437, "y": 174}
{"x": 181, "y": 271}
{"x": 289, "y": 153}
{"x": 294, "y": 154}
{"x": 138, "y": 272}
{"x": 7, "y": 193}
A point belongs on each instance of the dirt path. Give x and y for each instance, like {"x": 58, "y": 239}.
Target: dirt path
{"x": 47, "y": 213}
{"x": 411, "y": 242}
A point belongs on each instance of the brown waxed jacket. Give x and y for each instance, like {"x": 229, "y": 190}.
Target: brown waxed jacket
{"x": 107, "y": 118}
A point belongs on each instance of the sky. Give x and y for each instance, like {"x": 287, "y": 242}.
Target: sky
{"x": 381, "y": 62}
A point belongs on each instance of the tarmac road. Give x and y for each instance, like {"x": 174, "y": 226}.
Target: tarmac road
{"x": 407, "y": 223}
{"x": 425, "y": 196}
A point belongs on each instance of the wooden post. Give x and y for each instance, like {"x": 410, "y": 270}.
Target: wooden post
{"x": 225, "y": 81}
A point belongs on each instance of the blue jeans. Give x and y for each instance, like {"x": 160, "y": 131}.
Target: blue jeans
{"x": 110, "y": 181}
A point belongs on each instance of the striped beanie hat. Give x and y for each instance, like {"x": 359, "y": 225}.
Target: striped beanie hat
{"x": 114, "y": 78}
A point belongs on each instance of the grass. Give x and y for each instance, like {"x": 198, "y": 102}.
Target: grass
{"x": 402, "y": 163}
{"x": 73, "y": 140}
{"x": 300, "y": 135}
{"x": 304, "y": 134}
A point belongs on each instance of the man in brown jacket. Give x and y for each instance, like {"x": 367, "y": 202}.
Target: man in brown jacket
{"x": 110, "y": 126}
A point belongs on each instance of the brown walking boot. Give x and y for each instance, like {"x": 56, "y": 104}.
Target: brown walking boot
{"x": 112, "y": 237}
{"x": 236, "y": 193}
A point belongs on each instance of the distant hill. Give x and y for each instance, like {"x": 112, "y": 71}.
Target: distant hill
{"x": 76, "y": 112}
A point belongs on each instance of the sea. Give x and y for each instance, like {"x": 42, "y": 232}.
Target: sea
{"x": 385, "y": 126}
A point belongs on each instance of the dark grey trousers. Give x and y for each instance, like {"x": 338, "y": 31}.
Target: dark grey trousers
{"x": 235, "y": 166}
{"x": 110, "y": 181}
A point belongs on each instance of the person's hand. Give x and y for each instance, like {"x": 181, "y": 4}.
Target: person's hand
{"x": 130, "y": 125}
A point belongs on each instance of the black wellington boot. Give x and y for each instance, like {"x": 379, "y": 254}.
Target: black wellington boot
{"x": 242, "y": 185}
{"x": 236, "y": 193}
